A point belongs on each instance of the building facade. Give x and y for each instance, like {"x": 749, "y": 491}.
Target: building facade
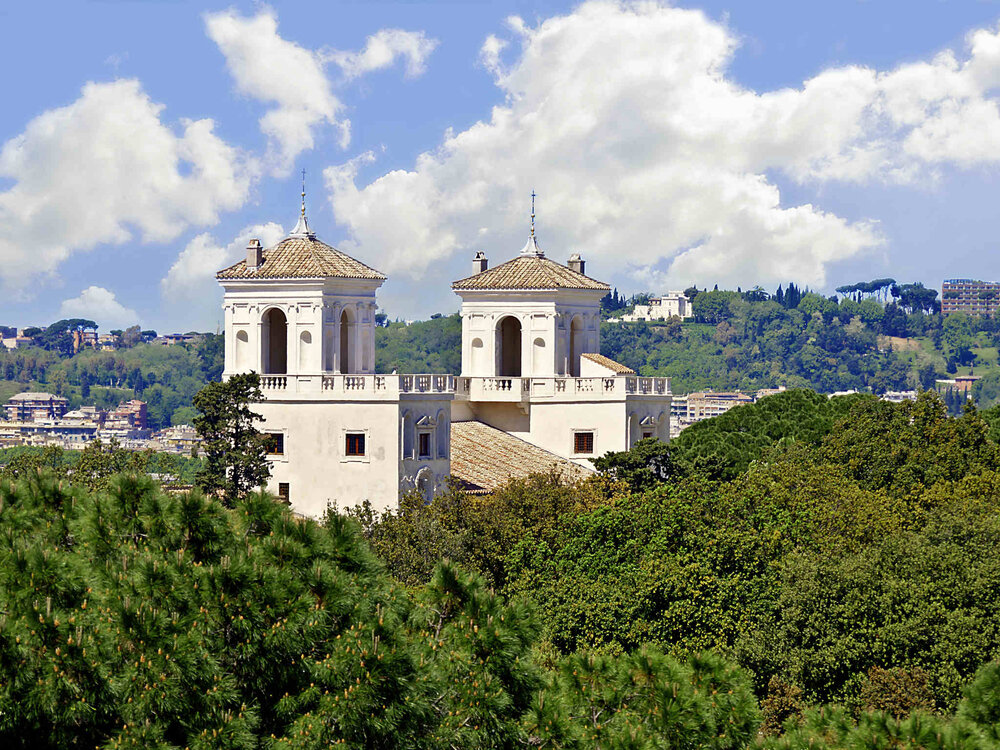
{"x": 302, "y": 314}
{"x": 970, "y": 296}
{"x": 669, "y": 305}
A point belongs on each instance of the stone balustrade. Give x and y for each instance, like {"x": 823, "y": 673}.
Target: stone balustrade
{"x": 361, "y": 386}
{"x": 559, "y": 388}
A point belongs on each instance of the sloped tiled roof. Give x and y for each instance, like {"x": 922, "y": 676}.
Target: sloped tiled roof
{"x": 530, "y": 271}
{"x": 484, "y": 458}
{"x": 302, "y": 258}
{"x": 603, "y": 361}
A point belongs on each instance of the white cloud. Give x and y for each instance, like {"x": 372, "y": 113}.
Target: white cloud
{"x": 98, "y": 304}
{"x": 648, "y": 156}
{"x": 271, "y": 69}
{"x": 192, "y": 276}
{"x": 102, "y": 170}
{"x": 382, "y": 49}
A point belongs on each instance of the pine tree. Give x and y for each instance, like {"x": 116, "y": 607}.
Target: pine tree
{"x": 235, "y": 451}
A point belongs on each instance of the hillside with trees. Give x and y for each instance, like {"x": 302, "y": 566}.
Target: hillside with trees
{"x": 830, "y": 582}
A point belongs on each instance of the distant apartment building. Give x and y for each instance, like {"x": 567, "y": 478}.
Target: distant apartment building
{"x": 35, "y": 407}
{"x": 671, "y": 304}
{"x": 130, "y": 415}
{"x": 970, "y": 296}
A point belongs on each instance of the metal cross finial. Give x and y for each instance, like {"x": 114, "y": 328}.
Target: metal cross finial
{"x": 303, "y": 192}
{"x": 532, "y": 213}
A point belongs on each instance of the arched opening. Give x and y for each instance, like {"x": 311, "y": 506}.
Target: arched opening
{"x": 633, "y": 429}
{"x": 305, "y": 350}
{"x": 576, "y": 335}
{"x": 275, "y": 338}
{"x": 509, "y": 355}
{"x": 346, "y": 339}
{"x": 242, "y": 350}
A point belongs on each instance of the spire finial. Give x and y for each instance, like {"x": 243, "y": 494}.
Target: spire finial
{"x": 532, "y": 213}
{"x": 302, "y": 227}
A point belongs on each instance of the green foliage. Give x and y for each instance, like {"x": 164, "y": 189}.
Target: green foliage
{"x": 726, "y": 445}
{"x": 424, "y": 346}
{"x": 166, "y": 377}
{"x": 96, "y": 464}
{"x": 642, "y": 467}
{"x": 644, "y": 700}
{"x": 235, "y": 450}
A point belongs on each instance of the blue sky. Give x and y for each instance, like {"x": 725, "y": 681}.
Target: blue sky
{"x": 142, "y": 143}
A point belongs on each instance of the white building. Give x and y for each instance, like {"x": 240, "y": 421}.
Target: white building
{"x": 669, "y": 305}
{"x": 303, "y": 315}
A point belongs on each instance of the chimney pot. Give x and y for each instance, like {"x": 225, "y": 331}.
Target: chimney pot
{"x": 576, "y": 263}
{"x": 255, "y": 254}
{"x": 479, "y": 263}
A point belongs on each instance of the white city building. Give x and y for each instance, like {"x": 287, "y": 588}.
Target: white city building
{"x": 669, "y": 305}
{"x": 534, "y": 392}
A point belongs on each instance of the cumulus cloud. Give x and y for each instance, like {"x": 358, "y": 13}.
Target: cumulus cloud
{"x": 192, "y": 276}
{"x": 106, "y": 169}
{"x": 647, "y": 153}
{"x": 100, "y": 305}
{"x": 272, "y": 69}
{"x": 382, "y": 49}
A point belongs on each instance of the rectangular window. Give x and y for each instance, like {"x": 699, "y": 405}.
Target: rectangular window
{"x": 274, "y": 442}
{"x": 583, "y": 442}
{"x": 424, "y": 440}
{"x": 646, "y": 434}
{"x": 283, "y": 492}
{"x": 355, "y": 444}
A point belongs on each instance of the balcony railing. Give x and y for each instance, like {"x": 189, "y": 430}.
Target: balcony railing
{"x": 523, "y": 389}
{"x": 356, "y": 385}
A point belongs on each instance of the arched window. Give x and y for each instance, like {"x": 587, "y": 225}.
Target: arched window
{"x": 242, "y": 350}
{"x": 576, "y": 336}
{"x": 347, "y": 363}
{"x": 274, "y": 357}
{"x": 407, "y": 429}
{"x": 305, "y": 350}
{"x": 443, "y": 434}
{"x": 509, "y": 349}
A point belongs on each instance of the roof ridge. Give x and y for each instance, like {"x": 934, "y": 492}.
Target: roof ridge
{"x": 558, "y": 276}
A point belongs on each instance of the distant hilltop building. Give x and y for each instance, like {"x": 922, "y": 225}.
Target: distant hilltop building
{"x": 534, "y": 392}
{"x": 669, "y": 305}
{"x": 970, "y": 296}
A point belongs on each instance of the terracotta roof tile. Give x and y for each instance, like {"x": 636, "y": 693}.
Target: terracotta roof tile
{"x": 484, "y": 458}
{"x": 529, "y": 271}
{"x": 304, "y": 258}
{"x": 603, "y": 361}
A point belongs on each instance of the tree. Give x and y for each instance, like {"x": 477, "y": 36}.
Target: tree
{"x": 131, "y": 336}
{"x": 235, "y": 451}
{"x": 645, "y": 465}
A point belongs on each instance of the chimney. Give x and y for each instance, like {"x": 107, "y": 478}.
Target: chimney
{"x": 479, "y": 263}
{"x": 576, "y": 263}
{"x": 255, "y": 254}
